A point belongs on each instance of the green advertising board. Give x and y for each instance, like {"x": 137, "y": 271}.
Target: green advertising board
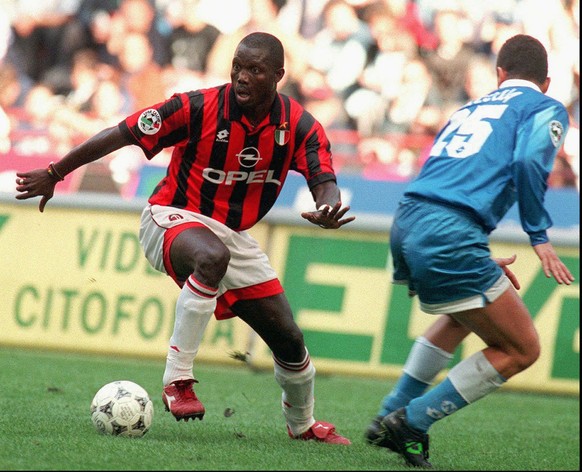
{"x": 91, "y": 290}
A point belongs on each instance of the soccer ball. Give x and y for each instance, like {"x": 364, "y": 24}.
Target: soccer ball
{"x": 122, "y": 408}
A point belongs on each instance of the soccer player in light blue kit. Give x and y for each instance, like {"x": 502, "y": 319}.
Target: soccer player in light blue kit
{"x": 493, "y": 152}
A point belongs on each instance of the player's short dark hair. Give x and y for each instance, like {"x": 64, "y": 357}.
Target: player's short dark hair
{"x": 269, "y": 43}
{"x": 524, "y": 57}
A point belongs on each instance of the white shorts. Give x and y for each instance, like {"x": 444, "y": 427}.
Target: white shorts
{"x": 249, "y": 274}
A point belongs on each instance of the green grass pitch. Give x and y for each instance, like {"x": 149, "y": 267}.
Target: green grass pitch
{"x": 45, "y": 422}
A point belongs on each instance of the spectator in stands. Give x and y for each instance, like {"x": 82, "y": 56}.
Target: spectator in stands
{"x": 98, "y": 24}
{"x": 118, "y": 171}
{"x": 503, "y": 28}
{"x": 415, "y": 109}
{"x": 141, "y": 17}
{"x": 408, "y": 19}
{"x": 191, "y": 38}
{"x": 411, "y": 118}
{"x": 320, "y": 100}
{"x": 83, "y": 80}
{"x": 39, "y": 104}
{"x": 38, "y": 133}
{"x": 381, "y": 80}
{"x": 562, "y": 174}
{"x": 44, "y": 39}
{"x": 340, "y": 50}
{"x": 449, "y": 62}
{"x": 480, "y": 78}
{"x": 12, "y": 96}
{"x": 105, "y": 107}
{"x": 88, "y": 9}
{"x": 384, "y": 159}
{"x": 141, "y": 77}
{"x": 304, "y": 17}
{"x": 391, "y": 104}
{"x": 226, "y": 15}
{"x": 13, "y": 87}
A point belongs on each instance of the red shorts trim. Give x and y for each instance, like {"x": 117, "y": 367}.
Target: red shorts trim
{"x": 169, "y": 236}
{"x": 230, "y": 297}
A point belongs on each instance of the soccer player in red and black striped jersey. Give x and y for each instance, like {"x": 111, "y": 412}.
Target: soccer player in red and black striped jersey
{"x": 233, "y": 146}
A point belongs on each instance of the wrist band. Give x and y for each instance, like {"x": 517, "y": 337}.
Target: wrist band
{"x": 53, "y": 172}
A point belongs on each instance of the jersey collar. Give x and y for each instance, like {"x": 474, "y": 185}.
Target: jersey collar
{"x": 519, "y": 83}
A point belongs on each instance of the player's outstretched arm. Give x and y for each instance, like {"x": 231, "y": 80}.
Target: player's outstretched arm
{"x": 42, "y": 182}
{"x": 552, "y": 265}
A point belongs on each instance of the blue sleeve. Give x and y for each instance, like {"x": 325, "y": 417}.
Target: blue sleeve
{"x": 538, "y": 140}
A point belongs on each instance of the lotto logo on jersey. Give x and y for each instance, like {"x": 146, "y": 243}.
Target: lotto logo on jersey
{"x": 556, "y": 133}
{"x": 149, "y": 122}
{"x": 222, "y": 136}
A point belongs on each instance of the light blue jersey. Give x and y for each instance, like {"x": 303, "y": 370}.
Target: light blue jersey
{"x": 495, "y": 151}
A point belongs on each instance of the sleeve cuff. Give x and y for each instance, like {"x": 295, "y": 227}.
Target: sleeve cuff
{"x": 539, "y": 237}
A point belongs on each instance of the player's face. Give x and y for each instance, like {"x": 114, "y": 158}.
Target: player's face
{"x": 253, "y": 78}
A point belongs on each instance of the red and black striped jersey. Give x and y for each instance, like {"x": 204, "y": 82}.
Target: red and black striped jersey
{"x": 221, "y": 166}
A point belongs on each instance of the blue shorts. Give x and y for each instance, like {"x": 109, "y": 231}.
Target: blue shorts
{"x": 443, "y": 254}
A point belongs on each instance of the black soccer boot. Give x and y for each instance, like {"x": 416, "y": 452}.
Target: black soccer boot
{"x": 410, "y": 443}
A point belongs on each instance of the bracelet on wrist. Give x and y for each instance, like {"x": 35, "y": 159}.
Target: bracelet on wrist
{"x": 53, "y": 172}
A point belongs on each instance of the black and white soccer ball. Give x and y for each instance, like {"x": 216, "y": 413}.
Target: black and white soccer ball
{"x": 122, "y": 408}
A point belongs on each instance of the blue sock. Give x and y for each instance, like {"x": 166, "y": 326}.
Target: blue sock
{"x": 405, "y": 390}
{"x": 442, "y": 400}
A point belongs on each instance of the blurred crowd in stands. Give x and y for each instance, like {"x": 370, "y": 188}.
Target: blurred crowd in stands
{"x": 381, "y": 75}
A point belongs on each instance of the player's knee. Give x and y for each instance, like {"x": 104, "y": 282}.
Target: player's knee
{"x": 290, "y": 346}
{"x": 213, "y": 262}
{"x": 528, "y": 354}
{"x": 533, "y": 355}
{"x": 296, "y": 340}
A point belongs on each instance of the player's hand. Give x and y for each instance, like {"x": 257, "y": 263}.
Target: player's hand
{"x": 552, "y": 265}
{"x": 328, "y": 217}
{"x": 36, "y": 183}
{"x": 503, "y": 262}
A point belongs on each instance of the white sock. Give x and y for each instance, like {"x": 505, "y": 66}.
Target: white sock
{"x": 475, "y": 377}
{"x": 297, "y": 381}
{"x": 426, "y": 360}
{"x": 194, "y": 307}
